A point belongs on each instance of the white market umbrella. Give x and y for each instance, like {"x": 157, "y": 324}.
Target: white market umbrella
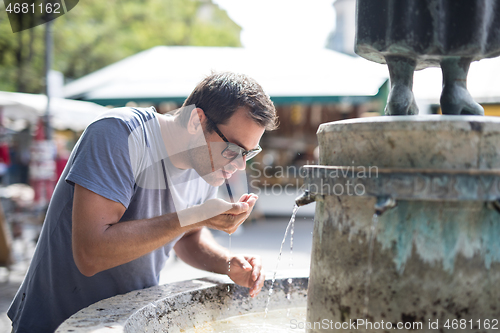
{"x": 65, "y": 113}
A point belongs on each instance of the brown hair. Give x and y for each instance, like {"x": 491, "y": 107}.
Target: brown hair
{"x": 219, "y": 95}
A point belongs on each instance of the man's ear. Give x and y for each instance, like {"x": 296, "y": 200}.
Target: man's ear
{"x": 195, "y": 120}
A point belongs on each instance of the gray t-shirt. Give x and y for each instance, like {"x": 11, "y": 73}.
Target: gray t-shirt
{"x": 111, "y": 158}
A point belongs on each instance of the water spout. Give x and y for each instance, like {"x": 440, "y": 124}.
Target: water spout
{"x": 305, "y": 199}
{"x": 495, "y": 205}
{"x": 384, "y": 203}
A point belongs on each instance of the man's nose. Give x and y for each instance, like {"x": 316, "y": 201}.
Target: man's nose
{"x": 239, "y": 162}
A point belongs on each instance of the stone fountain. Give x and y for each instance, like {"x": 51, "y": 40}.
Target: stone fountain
{"x": 435, "y": 181}
{"x": 407, "y": 217}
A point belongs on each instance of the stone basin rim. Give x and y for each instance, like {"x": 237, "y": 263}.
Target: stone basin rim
{"x": 130, "y": 312}
{"x": 417, "y": 119}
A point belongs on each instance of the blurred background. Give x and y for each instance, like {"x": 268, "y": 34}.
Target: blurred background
{"x": 56, "y": 78}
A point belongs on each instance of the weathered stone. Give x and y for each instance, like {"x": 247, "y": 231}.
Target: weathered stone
{"x": 433, "y": 259}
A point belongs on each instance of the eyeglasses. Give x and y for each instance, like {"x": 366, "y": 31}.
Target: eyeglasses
{"x": 233, "y": 150}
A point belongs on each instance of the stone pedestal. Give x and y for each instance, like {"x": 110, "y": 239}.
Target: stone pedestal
{"x": 436, "y": 255}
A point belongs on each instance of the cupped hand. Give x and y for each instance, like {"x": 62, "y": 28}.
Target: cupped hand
{"x": 246, "y": 271}
{"x": 232, "y": 218}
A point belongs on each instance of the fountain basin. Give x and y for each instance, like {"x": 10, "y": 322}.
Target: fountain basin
{"x": 178, "y": 306}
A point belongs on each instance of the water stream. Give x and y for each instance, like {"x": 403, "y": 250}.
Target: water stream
{"x": 291, "y": 239}
{"x": 229, "y": 248}
{"x": 231, "y": 199}
{"x": 291, "y": 223}
{"x": 373, "y": 230}
{"x": 229, "y": 262}
{"x": 290, "y": 265}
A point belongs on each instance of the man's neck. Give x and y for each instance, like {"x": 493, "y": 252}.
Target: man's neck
{"x": 176, "y": 139}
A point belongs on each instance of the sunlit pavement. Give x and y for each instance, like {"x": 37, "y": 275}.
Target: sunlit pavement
{"x": 261, "y": 237}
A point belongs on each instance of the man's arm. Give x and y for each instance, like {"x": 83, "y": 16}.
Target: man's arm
{"x": 100, "y": 242}
{"x": 199, "y": 249}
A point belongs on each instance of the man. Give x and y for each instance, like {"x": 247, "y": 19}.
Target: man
{"x": 138, "y": 184}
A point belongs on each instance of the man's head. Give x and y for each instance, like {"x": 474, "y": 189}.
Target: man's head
{"x": 231, "y": 110}
{"x": 219, "y": 95}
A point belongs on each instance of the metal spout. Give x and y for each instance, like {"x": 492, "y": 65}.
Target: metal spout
{"x": 384, "y": 203}
{"x": 305, "y": 199}
{"x": 494, "y": 205}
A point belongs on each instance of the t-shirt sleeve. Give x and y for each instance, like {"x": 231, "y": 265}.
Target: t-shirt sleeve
{"x": 101, "y": 161}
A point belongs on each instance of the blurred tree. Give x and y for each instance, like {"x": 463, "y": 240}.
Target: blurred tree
{"x": 97, "y": 33}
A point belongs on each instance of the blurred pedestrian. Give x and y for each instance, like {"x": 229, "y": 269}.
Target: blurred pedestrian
{"x": 4, "y": 160}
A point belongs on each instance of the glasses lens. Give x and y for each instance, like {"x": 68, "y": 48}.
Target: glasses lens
{"x": 232, "y": 151}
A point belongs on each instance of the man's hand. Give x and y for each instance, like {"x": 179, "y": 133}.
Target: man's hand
{"x": 199, "y": 249}
{"x": 231, "y": 219}
{"x": 246, "y": 271}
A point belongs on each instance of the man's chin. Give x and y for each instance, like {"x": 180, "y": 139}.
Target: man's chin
{"x": 213, "y": 180}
